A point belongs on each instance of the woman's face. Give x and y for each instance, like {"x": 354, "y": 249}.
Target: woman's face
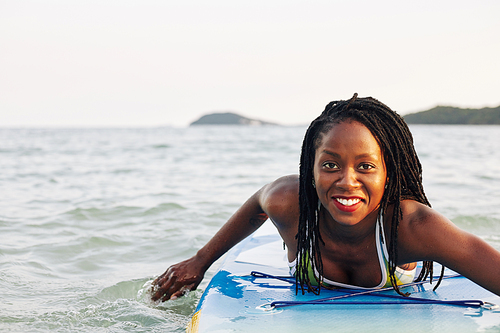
{"x": 349, "y": 172}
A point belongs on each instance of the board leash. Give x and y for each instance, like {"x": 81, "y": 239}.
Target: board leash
{"x": 337, "y": 300}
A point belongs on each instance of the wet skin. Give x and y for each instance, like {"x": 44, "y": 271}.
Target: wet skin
{"x": 350, "y": 178}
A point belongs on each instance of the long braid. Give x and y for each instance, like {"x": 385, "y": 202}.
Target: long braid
{"x": 404, "y": 181}
{"x": 308, "y": 233}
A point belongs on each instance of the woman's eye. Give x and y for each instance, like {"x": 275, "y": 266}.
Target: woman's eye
{"x": 366, "y": 166}
{"x": 329, "y": 165}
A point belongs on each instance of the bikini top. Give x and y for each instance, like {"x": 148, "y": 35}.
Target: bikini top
{"x": 402, "y": 276}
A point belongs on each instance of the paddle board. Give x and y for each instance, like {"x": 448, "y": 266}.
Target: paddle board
{"x": 236, "y": 301}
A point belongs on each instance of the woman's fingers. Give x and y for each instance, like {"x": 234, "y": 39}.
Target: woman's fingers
{"x": 162, "y": 286}
{"x": 177, "y": 279}
{"x": 182, "y": 291}
{"x": 169, "y": 286}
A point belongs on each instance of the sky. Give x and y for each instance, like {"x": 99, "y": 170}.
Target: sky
{"x": 121, "y": 63}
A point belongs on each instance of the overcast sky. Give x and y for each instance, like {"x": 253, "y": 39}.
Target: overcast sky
{"x": 156, "y": 63}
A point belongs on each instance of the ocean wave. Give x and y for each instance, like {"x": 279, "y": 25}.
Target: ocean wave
{"x": 121, "y": 213}
{"x": 123, "y": 307}
{"x": 478, "y": 222}
{"x": 164, "y": 207}
{"x": 160, "y": 146}
{"x": 103, "y": 214}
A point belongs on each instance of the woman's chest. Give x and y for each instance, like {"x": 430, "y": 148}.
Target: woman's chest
{"x": 361, "y": 266}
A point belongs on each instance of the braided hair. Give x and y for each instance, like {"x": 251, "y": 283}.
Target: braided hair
{"x": 404, "y": 174}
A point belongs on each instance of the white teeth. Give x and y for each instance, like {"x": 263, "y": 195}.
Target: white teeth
{"x": 349, "y": 202}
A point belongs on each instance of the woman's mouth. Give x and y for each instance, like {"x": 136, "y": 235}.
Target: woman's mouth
{"x": 347, "y": 205}
{"x": 348, "y": 202}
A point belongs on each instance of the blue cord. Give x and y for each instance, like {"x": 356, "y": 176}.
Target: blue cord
{"x": 402, "y": 300}
{"x": 375, "y": 292}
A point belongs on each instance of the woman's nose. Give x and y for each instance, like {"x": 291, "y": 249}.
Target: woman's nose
{"x": 348, "y": 179}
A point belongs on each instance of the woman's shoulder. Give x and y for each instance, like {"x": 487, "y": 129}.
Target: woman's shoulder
{"x": 421, "y": 229}
{"x": 418, "y": 215}
{"x": 419, "y": 219}
{"x": 280, "y": 199}
{"x": 283, "y": 186}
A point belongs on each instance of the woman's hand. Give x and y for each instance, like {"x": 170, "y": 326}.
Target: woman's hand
{"x": 280, "y": 197}
{"x": 177, "y": 279}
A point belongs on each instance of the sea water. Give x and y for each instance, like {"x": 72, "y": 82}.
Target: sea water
{"x": 88, "y": 217}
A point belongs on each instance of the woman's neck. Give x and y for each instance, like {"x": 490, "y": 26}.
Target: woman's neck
{"x": 351, "y": 234}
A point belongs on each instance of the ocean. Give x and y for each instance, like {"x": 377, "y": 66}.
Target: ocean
{"x": 89, "y": 217}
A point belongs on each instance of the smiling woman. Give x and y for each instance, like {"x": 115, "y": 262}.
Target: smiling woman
{"x": 356, "y": 216}
{"x": 370, "y": 146}
{"x": 349, "y": 156}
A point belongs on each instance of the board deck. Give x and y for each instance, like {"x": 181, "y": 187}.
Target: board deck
{"x": 235, "y": 301}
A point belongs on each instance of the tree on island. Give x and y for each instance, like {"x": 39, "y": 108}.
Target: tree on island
{"x": 455, "y": 116}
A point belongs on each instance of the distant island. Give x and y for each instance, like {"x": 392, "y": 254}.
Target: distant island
{"x": 228, "y": 118}
{"x": 448, "y": 115}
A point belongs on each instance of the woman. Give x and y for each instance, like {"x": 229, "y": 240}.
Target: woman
{"x": 356, "y": 216}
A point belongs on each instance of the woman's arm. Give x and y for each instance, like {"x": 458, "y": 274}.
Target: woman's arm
{"x": 188, "y": 274}
{"x": 427, "y": 235}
